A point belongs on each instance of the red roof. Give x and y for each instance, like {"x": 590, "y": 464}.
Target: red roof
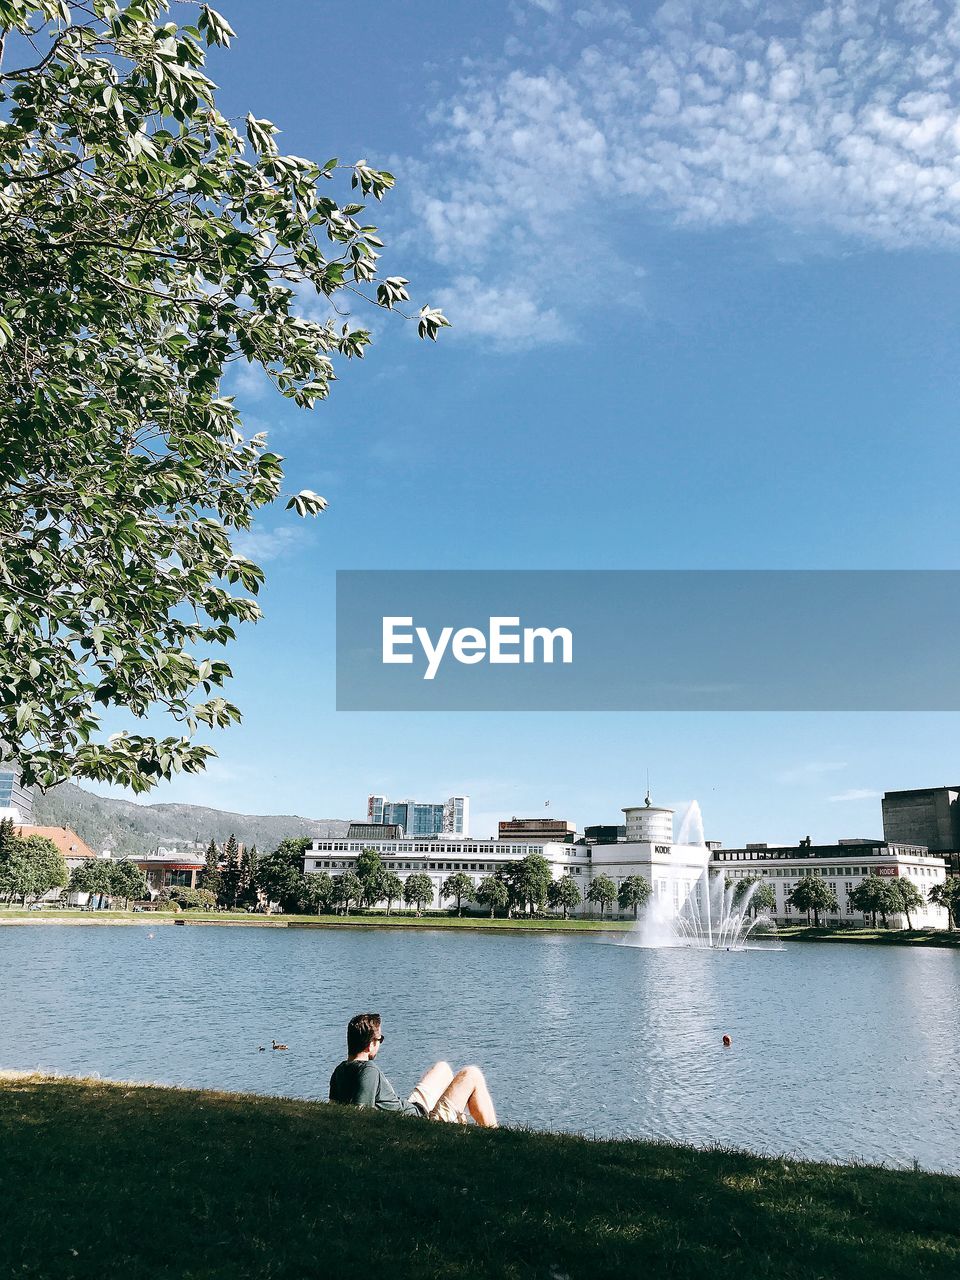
{"x": 66, "y": 840}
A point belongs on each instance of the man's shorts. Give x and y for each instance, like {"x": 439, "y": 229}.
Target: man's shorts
{"x": 442, "y": 1111}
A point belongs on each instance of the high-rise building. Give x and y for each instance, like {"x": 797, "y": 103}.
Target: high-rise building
{"x": 419, "y": 818}
{"x": 16, "y": 800}
{"x": 456, "y": 816}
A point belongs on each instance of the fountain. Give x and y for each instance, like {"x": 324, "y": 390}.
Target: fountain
{"x": 703, "y": 912}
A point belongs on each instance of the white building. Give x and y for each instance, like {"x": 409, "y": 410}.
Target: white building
{"x": 441, "y": 856}
{"x": 842, "y": 866}
{"x": 672, "y": 870}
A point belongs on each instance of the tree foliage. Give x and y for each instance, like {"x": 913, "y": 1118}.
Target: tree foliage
{"x": 459, "y": 886}
{"x": 874, "y": 895}
{"x": 248, "y": 889}
{"x": 317, "y": 894}
{"x": 811, "y": 893}
{"x": 231, "y": 875}
{"x": 909, "y": 898}
{"x": 187, "y": 899}
{"x": 30, "y": 866}
{"x": 127, "y": 880}
{"x": 947, "y": 894}
{"x": 346, "y": 888}
{"x": 764, "y": 899}
{"x": 280, "y": 876}
{"x": 92, "y": 876}
{"x": 762, "y": 896}
{"x": 210, "y": 877}
{"x": 146, "y": 245}
{"x": 602, "y": 891}
{"x": 564, "y": 894}
{"x": 371, "y": 874}
{"x": 529, "y": 879}
{"x": 493, "y": 892}
{"x": 391, "y": 889}
{"x": 633, "y": 894}
{"x": 418, "y": 891}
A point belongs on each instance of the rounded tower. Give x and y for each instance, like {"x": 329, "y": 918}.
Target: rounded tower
{"x": 646, "y": 824}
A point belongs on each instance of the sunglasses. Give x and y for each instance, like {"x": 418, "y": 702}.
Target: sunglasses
{"x": 379, "y": 1039}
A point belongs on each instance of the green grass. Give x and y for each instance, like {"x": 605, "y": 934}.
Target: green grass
{"x": 887, "y": 937}
{"x": 103, "y": 1180}
{"x": 401, "y": 921}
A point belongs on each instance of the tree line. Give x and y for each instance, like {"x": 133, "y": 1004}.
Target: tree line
{"x": 875, "y": 896}
{"x": 31, "y": 866}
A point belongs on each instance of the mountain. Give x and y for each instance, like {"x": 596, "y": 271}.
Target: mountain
{"x": 125, "y": 827}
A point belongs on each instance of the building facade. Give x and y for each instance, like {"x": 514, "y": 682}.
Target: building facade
{"x": 441, "y": 856}
{"x": 422, "y": 818}
{"x": 16, "y": 800}
{"x": 842, "y": 866}
{"x": 546, "y": 829}
{"x": 929, "y": 816}
{"x": 672, "y": 870}
{"x": 166, "y": 867}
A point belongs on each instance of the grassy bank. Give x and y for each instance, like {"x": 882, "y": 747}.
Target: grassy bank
{"x": 52, "y": 915}
{"x": 101, "y": 1180}
{"x": 884, "y": 937}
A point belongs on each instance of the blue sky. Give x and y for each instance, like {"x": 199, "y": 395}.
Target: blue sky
{"x": 702, "y": 265}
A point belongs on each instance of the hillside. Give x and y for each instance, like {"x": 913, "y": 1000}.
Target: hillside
{"x": 126, "y": 827}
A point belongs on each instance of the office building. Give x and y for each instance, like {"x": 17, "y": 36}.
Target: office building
{"x": 605, "y": 833}
{"x": 375, "y": 831}
{"x": 422, "y": 818}
{"x": 16, "y": 800}
{"x": 842, "y": 866}
{"x": 537, "y": 829}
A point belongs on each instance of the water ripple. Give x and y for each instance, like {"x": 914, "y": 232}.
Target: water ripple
{"x": 838, "y": 1052}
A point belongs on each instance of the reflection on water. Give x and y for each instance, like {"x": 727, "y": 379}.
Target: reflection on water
{"x": 837, "y": 1051}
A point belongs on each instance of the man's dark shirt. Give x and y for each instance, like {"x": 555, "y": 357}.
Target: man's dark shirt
{"x": 363, "y": 1084}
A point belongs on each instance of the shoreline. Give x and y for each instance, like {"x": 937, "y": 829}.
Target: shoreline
{"x": 941, "y": 938}
{"x": 448, "y": 924}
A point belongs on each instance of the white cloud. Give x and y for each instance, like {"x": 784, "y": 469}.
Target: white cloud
{"x": 832, "y": 119}
{"x": 809, "y": 771}
{"x": 509, "y": 314}
{"x": 248, "y": 381}
{"x": 857, "y": 793}
{"x": 263, "y": 545}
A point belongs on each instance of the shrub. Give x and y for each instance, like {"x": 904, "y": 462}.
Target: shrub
{"x": 185, "y": 899}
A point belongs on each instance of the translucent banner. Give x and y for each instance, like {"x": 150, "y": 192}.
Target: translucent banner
{"x": 657, "y": 640}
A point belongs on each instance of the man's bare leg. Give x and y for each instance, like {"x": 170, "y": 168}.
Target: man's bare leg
{"x": 468, "y": 1091}
{"x": 434, "y": 1082}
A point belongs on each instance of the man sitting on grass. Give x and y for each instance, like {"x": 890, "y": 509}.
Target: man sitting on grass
{"x": 440, "y": 1095}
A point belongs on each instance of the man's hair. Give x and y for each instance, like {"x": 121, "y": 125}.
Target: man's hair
{"x": 360, "y": 1031}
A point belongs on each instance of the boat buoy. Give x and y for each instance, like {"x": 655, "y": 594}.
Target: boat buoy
{"x": 727, "y": 1042}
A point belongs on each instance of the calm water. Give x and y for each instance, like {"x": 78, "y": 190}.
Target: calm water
{"x": 839, "y": 1052}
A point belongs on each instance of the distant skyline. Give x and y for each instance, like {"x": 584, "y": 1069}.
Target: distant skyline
{"x": 702, "y": 265}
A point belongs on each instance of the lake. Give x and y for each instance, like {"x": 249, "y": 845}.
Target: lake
{"x": 838, "y": 1052}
